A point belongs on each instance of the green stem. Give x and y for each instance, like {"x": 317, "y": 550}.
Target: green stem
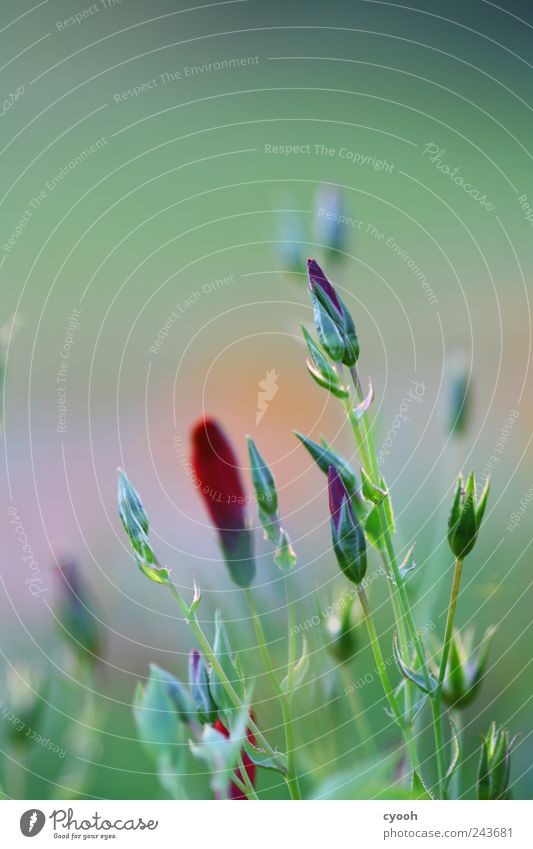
{"x": 385, "y": 680}
{"x": 368, "y": 456}
{"x": 454, "y": 595}
{"x": 224, "y": 680}
{"x": 358, "y": 712}
{"x": 285, "y": 697}
{"x": 292, "y": 776}
{"x": 248, "y": 787}
{"x": 261, "y": 641}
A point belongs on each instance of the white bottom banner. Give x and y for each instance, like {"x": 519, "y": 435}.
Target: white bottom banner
{"x": 308, "y": 824}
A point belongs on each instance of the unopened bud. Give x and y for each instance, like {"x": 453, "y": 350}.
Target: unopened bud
{"x": 466, "y": 516}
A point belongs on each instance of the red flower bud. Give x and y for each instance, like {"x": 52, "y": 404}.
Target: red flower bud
{"x": 217, "y": 476}
{"x": 249, "y": 766}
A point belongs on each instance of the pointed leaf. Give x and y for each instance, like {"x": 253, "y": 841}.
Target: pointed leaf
{"x": 419, "y": 789}
{"x": 362, "y": 407}
{"x": 416, "y": 677}
{"x": 456, "y": 755}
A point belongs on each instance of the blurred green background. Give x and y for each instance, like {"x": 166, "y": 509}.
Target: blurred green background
{"x": 146, "y": 172}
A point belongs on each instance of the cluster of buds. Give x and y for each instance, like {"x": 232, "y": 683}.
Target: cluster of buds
{"x": 495, "y": 765}
{"x": 172, "y": 715}
{"x": 219, "y": 483}
{"x": 466, "y": 516}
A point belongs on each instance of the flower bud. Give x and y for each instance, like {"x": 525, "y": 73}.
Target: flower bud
{"x": 333, "y": 322}
{"x": 348, "y": 538}
{"x": 216, "y": 469}
{"x": 341, "y": 633}
{"x": 466, "y": 516}
{"x": 199, "y": 684}
{"x": 465, "y": 670}
{"x": 495, "y": 765}
{"x": 330, "y": 229}
{"x": 263, "y": 481}
{"x": 75, "y": 612}
{"x": 177, "y": 693}
{"x": 136, "y": 525}
{"x": 458, "y": 399}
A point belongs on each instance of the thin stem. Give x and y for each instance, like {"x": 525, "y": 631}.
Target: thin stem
{"x": 285, "y": 697}
{"x": 241, "y": 785}
{"x": 224, "y": 680}
{"x": 385, "y": 680}
{"x": 358, "y": 711}
{"x": 450, "y": 618}
{"x": 261, "y": 641}
{"x": 249, "y": 787}
{"x": 292, "y": 776}
{"x": 368, "y": 455}
{"x": 454, "y": 595}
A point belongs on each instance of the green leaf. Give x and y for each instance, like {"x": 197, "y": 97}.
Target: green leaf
{"x": 408, "y": 563}
{"x": 371, "y": 491}
{"x": 157, "y": 721}
{"x": 155, "y": 573}
{"x": 373, "y": 529}
{"x": 332, "y": 386}
{"x": 387, "y": 504}
{"x": 362, "y": 407}
{"x": 197, "y": 597}
{"x": 299, "y": 671}
{"x": 372, "y": 778}
{"x": 324, "y": 456}
{"x": 419, "y": 789}
{"x": 456, "y": 756}
{"x": 416, "y": 677}
{"x": 230, "y": 665}
{"x": 261, "y": 758}
{"x": 482, "y": 503}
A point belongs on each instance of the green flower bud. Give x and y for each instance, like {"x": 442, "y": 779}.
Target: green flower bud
{"x": 177, "y": 693}
{"x": 75, "y": 610}
{"x": 263, "y": 481}
{"x": 458, "y": 398}
{"x": 495, "y": 765}
{"x": 136, "y": 525}
{"x": 341, "y": 633}
{"x": 465, "y": 670}
{"x": 466, "y": 516}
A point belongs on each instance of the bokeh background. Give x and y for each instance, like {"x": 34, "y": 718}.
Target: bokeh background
{"x": 147, "y": 175}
